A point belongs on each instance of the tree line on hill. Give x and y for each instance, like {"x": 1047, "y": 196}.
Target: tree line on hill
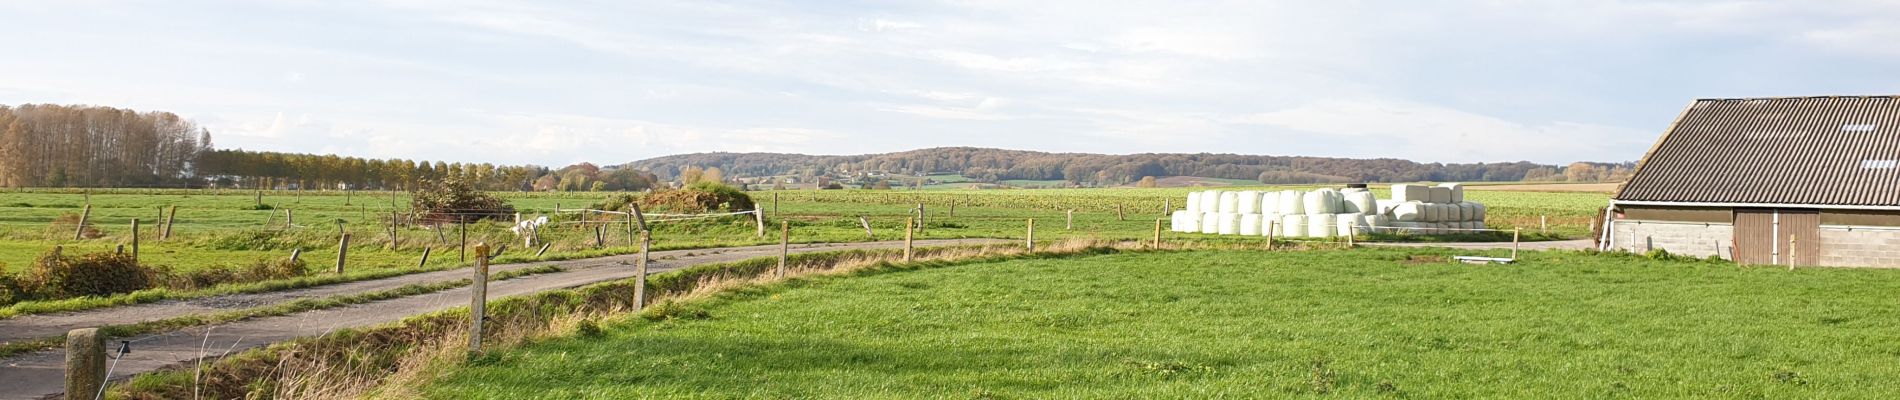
{"x": 47, "y": 145}
{"x": 993, "y": 165}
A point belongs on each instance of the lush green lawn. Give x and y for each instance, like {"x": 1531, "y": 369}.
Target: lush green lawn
{"x": 1361, "y": 323}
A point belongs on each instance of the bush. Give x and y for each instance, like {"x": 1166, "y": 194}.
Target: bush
{"x": 100, "y": 274}
{"x": 698, "y": 198}
{"x": 455, "y": 200}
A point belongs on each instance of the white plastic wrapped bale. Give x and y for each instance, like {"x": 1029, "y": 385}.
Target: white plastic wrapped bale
{"x": 1440, "y": 195}
{"x": 1435, "y": 213}
{"x": 1250, "y": 224}
{"x": 1409, "y": 192}
{"x": 1454, "y": 212}
{"x": 1321, "y": 225}
{"x": 1477, "y": 211}
{"x": 1291, "y": 202}
{"x": 1270, "y": 223}
{"x": 1350, "y": 224}
{"x": 1457, "y": 192}
{"x": 1194, "y": 202}
{"x": 1210, "y": 201}
{"x": 1410, "y": 211}
{"x": 1360, "y": 202}
{"x": 1403, "y": 228}
{"x": 1210, "y": 223}
{"x": 1385, "y": 206}
{"x": 1249, "y": 202}
{"x": 1270, "y": 202}
{"x": 1293, "y": 225}
{"x": 1229, "y": 224}
{"x": 1376, "y": 222}
{"x": 1323, "y": 201}
{"x": 1180, "y": 222}
{"x": 1229, "y": 202}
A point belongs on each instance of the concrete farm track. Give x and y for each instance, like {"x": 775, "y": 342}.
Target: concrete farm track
{"x": 40, "y": 374}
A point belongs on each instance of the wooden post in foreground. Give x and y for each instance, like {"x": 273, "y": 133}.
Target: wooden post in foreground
{"x": 640, "y": 272}
{"x": 169, "y": 219}
{"x": 1157, "y": 243}
{"x": 478, "y": 299}
{"x": 342, "y": 252}
{"x": 83, "y": 216}
{"x": 85, "y": 363}
{"x": 425, "y": 257}
{"x": 908, "y": 229}
{"x": 758, "y": 215}
{"x": 1029, "y": 240}
{"x": 784, "y": 245}
{"x": 1514, "y": 233}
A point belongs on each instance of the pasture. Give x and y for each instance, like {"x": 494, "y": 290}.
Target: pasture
{"x": 227, "y": 229}
{"x": 1366, "y": 323}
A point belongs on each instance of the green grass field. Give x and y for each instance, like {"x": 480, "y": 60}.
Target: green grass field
{"x": 1355, "y": 324}
{"x": 223, "y": 230}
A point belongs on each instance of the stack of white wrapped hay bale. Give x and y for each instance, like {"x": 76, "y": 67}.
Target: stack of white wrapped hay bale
{"x": 1414, "y": 209}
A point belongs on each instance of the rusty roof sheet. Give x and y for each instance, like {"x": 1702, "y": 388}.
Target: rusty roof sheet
{"x": 1837, "y": 151}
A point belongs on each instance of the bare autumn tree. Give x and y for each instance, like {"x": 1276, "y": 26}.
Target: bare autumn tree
{"x": 60, "y": 145}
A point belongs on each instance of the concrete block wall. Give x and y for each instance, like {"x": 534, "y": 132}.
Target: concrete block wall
{"x": 1680, "y": 238}
{"x": 1847, "y": 246}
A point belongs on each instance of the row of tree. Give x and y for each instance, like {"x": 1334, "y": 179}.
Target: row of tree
{"x": 87, "y": 146}
{"x": 57, "y": 145}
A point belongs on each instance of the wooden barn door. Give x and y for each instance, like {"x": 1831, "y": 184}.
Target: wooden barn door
{"x": 1767, "y": 236}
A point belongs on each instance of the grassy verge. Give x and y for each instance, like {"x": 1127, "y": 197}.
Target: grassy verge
{"x": 351, "y": 363}
{"x": 292, "y": 307}
{"x": 1367, "y": 323}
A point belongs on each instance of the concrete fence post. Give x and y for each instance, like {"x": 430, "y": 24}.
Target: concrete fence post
{"x": 478, "y": 299}
{"x": 85, "y": 363}
{"x": 784, "y": 245}
{"x": 758, "y": 215}
{"x": 1029, "y": 240}
{"x": 867, "y": 228}
{"x": 640, "y": 272}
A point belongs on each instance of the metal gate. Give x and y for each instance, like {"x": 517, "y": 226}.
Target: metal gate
{"x": 1770, "y": 236}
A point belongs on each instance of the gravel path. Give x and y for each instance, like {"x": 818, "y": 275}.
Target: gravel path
{"x": 40, "y": 374}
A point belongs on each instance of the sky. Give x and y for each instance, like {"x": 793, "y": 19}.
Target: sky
{"x": 559, "y": 82}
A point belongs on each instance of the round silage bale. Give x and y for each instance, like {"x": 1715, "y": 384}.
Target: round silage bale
{"x": 1229, "y": 202}
{"x": 1410, "y": 211}
{"x": 1360, "y": 202}
{"x": 1292, "y": 202}
{"x": 1194, "y": 202}
{"x": 1478, "y": 210}
{"x": 1318, "y": 202}
{"x": 1249, "y": 202}
{"x": 1270, "y": 202}
{"x": 1177, "y": 221}
{"x": 1350, "y": 224}
{"x": 1250, "y": 224}
{"x": 1229, "y": 224}
{"x": 1321, "y": 225}
{"x": 1293, "y": 225}
{"x": 1270, "y": 223}
{"x": 1210, "y": 222}
{"x": 1210, "y": 201}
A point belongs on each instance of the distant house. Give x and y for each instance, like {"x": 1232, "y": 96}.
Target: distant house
{"x": 1769, "y": 181}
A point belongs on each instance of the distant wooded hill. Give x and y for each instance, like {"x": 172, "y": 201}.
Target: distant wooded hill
{"x": 991, "y": 165}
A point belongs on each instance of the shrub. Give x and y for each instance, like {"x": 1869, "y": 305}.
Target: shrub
{"x": 57, "y": 276}
{"x": 698, "y": 198}
{"x": 455, "y": 200}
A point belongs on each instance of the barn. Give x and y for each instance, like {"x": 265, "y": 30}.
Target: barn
{"x": 1769, "y": 181}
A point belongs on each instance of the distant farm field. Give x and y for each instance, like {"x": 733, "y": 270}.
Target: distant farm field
{"x": 1246, "y": 324}
{"x": 1549, "y": 187}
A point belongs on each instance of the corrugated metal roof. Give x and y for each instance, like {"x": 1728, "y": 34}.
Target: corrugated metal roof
{"x": 1784, "y": 150}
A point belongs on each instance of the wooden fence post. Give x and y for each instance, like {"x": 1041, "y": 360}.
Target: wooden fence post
{"x": 425, "y": 257}
{"x": 85, "y": 363}
{"x": 920, "y": 217}
{"x": 775, "y": 205}
{"x": 640, "y": 272}
{"x": 867, "y": 228}
{"x": 784, "y": 246}
{"x": 83, "y": 216}
{"x": 296, "y": 254}
{"x": 1166, "y": 205}
{"x": 462, "y": 250}
{"x": 1119, "y": 216}
{"x": 544, "y": 250}
{"x": 1543, "y": 224}
{"x": 600, "y": 236}
{"x": 1157, "y": 244}
{"x": 1071, "y": 222}
{"x": 908, "y": 238}
{"x": 395, "y": 235}
{"x": 170, "y": 219}
{"x": 632, "y": 234}
{"x": 1029, "y": 240}
{"x": 135, "y": 240}
{"x": 289, "y": 218}
{"x": 478, "y": 299}
{"x": 1271, "y": 227}
{"x": 1514, "y": 233}
{"x": 639, "y": 216}
{"x": 342, "y": 251}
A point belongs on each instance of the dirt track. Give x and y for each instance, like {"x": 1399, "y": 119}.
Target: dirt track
{"x": 38, "y": 374}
